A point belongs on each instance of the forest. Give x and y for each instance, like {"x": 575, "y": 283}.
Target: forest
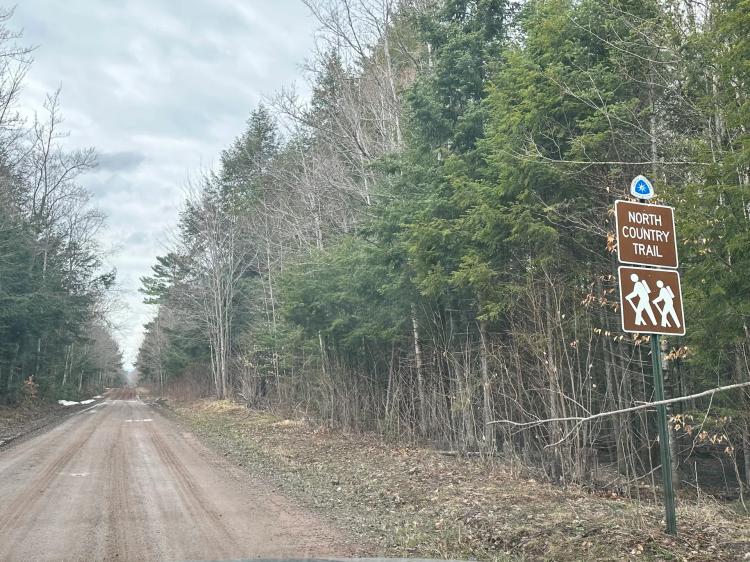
{"x": 56, "y": 338}
{"x": 420, "y": 241}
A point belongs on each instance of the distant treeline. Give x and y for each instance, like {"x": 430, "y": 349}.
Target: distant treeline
{"x": 426, "y": 245}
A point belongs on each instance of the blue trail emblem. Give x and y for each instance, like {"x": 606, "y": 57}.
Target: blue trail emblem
{"x": 641, "y": 188}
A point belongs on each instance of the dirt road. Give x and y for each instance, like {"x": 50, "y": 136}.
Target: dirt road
{"x": 120, "y": 482}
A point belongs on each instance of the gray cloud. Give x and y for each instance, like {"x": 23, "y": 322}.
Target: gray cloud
{"x": 159, "y": 88}
{"x": 137, "y": 239}
{"x": 125, "y": 160}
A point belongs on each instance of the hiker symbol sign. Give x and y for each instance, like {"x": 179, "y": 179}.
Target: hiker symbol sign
{"x": 651, "y": 301}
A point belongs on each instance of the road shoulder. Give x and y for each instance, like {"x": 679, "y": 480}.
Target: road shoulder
{"x": 18, "y": 424}
{"x": 318, "y": 532}
{"x": 416, "y": 502}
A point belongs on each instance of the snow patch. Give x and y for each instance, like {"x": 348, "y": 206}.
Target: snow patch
{"x": 74, "y": 403}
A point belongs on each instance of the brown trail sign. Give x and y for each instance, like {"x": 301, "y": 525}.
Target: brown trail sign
{"x": 645, "y": 234}
{"x": 651, "y": 301}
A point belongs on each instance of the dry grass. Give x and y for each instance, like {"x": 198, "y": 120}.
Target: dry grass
{"x": 416, "y": 502}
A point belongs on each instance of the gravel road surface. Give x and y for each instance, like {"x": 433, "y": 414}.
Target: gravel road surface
{"x": 120, "y": 482}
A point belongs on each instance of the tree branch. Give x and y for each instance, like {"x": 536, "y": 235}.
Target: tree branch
{"x": 625, "y": 410}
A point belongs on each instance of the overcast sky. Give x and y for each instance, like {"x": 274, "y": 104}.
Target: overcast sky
{"x": 159, "y": 87}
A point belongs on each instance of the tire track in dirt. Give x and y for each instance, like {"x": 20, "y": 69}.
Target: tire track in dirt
{"x": 124, "y": 483}
{"x": 118, "y": 542}
{"x": 19, "y": 511}
{"x": 194, "y": 500}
